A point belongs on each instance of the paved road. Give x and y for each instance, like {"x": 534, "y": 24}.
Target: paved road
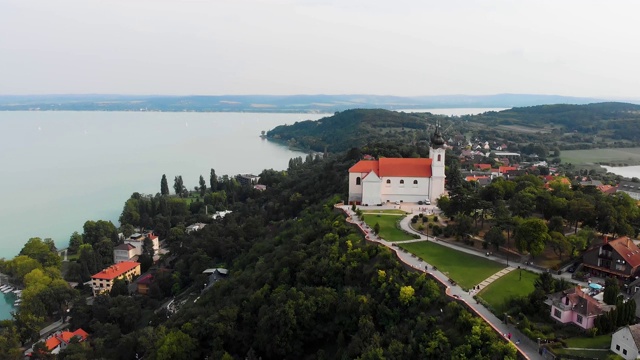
{"x": 526, "y": 347}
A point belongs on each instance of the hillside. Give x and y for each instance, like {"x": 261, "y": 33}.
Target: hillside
{"x": 563, "y": 125}
{"x": 347, "y": 129}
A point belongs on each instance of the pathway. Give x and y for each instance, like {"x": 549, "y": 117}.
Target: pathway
{"x": 527, "y": 348}
{"x": 495, "y": 276}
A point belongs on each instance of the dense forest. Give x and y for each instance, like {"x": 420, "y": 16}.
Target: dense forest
{"x": 303, "y": 283}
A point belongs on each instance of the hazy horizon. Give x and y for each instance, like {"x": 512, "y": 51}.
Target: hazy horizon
{"x": 247, "y": 47}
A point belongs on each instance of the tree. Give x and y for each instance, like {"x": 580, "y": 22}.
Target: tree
{"x": 376, "y": 228}
{"x": 119, "y": 288}
{"x": 74, "y": 242}
{"x": 41, "y": 251}
{"x": 556, "y": 223}
{"x": 203, "y": 186}
{"x": 213, "y": 180}
{"x": 164, "y": 185}
{"x": 559, "y": 243}
{"x": 406, "y": 294}
{"x": 495, "y": 237}
{"x": 611, "y": 291}
{"x": 176, "y": 345}
{"x": 178, "y": 185}
{"x": 531, "y": 235}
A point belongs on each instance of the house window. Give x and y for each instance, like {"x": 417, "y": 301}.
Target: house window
{"x": 579, "y": 319}
{"x": 439, "y": 157}
{"x": 388, "y": 182}
{"x": 624, "y": 351}
{"x": 358, "y": 180}
{"x": 618, "y": 347}
{"x": 557, "y": 313}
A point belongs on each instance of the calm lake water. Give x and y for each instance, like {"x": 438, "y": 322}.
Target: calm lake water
{"x": 60, "y": 169}
{"x": 626, "y": 171}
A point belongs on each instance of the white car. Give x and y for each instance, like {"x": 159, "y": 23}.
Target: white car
{"x": 427, "y": 202}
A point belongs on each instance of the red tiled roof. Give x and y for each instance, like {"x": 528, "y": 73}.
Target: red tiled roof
{"x": 504, "y": 169}
{"x": 83, "y": 334}
{"x": 584, "y": 304}
{"x": 627, "y": 249}
{"x": 475, "y": 178}
{"x": 365, "y": 166}
{"x": 152, "y": 236}
{"x": 146, "y": 280}
{"x": 394, "y": 167}
{"x": 114, "y": 271}
{"x": 52, "y": 343}
{"x": 482, "y": 166}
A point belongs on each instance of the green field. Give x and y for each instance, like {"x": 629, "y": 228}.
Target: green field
{"x": 598, "y": 342}
{"x": 509, "y": 285}
{"x": 629, "y": 156}
{"x": 388, "y": 230}
{"x": 466, "y": 269}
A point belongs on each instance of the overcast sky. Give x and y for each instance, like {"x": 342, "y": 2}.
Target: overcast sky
{"x": 386, "y": 47}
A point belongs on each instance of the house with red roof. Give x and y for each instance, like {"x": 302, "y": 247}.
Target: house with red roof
{"x": 103, "y": 281}
{"x": 374, "y": 182}
{"x": 137, "y": 240}
{"x": 482, "y": 166}
{"x": 60, "y": 340}
{"x": 619, "y": 258}
{"x": 576, "y": 307}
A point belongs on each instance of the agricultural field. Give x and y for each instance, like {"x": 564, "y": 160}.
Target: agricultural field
{"x": 628, "y": 156}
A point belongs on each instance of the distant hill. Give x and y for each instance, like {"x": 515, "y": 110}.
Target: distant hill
{"x": 356, "y": 128}
{"x": 273, "y": 103}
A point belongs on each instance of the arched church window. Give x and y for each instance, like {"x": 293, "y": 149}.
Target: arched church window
{"x": 439, "y": 157}
{"x": 388, "y": 181}
{"x": 358, "y": 180}
{"x": 401, "y": 181}
{"x": 415, "y": 182}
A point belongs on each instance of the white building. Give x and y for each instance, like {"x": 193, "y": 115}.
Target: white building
{"x": 374, "y": 182}
{"x": 123, "y": 252}
{"x": 626, "y": 342}
{"x": 137, "y": 240}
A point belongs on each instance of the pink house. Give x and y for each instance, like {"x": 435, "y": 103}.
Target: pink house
{"x": 577, "y": 307}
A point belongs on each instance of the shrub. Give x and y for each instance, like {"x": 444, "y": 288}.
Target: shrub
{"x": 421, "y": 215}
{"x": 435, "y": 218}
{"x": 420, "y": 227}
{"x": 425, "y": 219}
{"x": 414, "y": 220}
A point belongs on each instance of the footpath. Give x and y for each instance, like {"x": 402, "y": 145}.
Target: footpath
{"x": 526, "y": 347}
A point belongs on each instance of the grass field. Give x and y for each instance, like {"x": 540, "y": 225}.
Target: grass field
{"x": 467, "y": 270}
{"x": 585, "y": 354}
{"x": 630, "y": 156}
{"x": 497, "y": 293}
{"x": 388, "y": 230}
{"x": 598, "y": 342}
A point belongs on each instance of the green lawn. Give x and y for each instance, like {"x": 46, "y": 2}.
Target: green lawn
{"x": 467, "y": 270}
{"x": 391, "y": 211}
{"x": 508, "y": 286}
{"x": 388, "y": 230}
{"x": 598, "y": 342}
{"x": 586, "y": 354}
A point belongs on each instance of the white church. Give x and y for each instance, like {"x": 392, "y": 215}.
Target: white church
{"x": 373, "y": 182}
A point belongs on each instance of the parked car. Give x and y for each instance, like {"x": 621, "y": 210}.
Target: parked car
{"x": 420, "y": 202}
{"x": 427, "y": 202}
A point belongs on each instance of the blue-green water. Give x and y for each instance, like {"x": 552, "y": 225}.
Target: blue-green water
{"x": 6, "y": 305}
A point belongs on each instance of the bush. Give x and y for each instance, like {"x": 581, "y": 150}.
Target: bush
{"x": 425, "y": 219}
{"x": 435, "y": 218}
{"x": 414, "y": 220}
{"x": 449, "y": 231}
{"x": 421, "y": 215}
{"x": 420, "y": 227}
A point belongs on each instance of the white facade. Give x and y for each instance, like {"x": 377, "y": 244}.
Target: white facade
{"x": 437, "y": 173}
{"x": 624, "y": 344}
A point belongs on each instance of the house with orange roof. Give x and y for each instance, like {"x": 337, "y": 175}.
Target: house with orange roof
{"x": 482, "y": 166}
{"x": 60, "y": 340}
{"x": 103, "y": 281}
{"x": 576, "y": 307}
{"x": 374, "y": 182}
{"x": 137, "y": 240}
{"x": 618, "y": 258}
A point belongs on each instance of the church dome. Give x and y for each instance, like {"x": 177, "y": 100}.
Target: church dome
{"x": 436, "y": 139}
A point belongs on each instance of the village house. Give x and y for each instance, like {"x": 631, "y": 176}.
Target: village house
{"x": 619, "y": 258}
{"x": 374, "y": 182}
{"x": 59, "y": 340}
{"x": 626, "y": 342}
{"x": 247, "y": 179}
{"x": 143, "y": 284}
{"x": 137, "y": 240}
{"x": 103, "y": 281}
{"x": 124, "y": 252}
{"x": 630, "y": 188}
{"x": 576, "y": 307}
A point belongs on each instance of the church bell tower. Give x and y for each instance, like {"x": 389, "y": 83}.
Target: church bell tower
{"x": 436, "y": 154}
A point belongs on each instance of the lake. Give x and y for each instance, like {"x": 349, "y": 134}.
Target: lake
{"x": 60, "y": 169}
{"x": 626, "y": 171}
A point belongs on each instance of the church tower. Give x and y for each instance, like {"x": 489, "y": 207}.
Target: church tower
{"x": 436, "y": 154}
